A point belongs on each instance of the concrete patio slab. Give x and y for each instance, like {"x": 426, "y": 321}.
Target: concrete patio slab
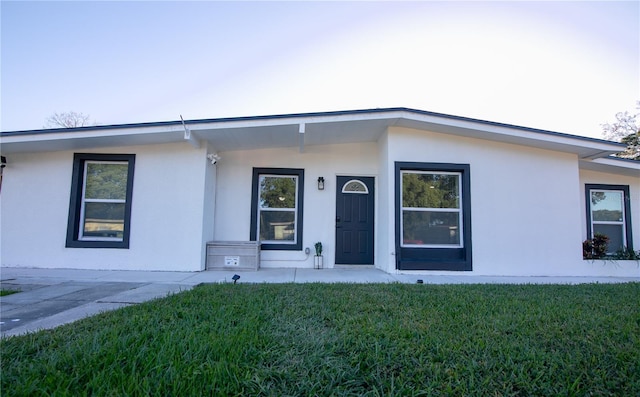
{"x": 51, "y": 300}
{"x": 145, "y": 293}
{"x": 344, "y": 275}
{"x": 44, "y": 292}
{"x": 65, "y": 317}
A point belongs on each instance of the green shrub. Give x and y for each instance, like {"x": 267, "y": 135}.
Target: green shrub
{"x": 626, "y": 254}
{"x": 595, "y": 248}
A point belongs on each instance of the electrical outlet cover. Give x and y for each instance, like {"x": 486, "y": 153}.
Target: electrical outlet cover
{"x": 232, "y": 261}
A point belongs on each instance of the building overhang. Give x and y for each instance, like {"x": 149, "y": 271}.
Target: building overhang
{"x": 298, "y": 130}
{"x": 613, "y": 165}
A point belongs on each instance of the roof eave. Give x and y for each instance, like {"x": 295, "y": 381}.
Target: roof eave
{"x": 613, "y": 165}
{"x": 172, "y": 131}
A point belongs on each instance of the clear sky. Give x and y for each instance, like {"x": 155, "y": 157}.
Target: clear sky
{"x": 560, "y": 66}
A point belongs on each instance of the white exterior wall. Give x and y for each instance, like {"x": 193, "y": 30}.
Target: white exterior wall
{"x": 233, "y": 199}
{"x": 528, "y": 205}
{"x": 209, "y": 207}
{"x": 524, "y": 206}
{"x": 385, "y": 218}
{"x": 166, "y": 216}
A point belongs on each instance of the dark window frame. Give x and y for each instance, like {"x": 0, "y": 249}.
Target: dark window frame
{"x": 427, "y": 258}
{"x": 75, "y": 202}
{"x": 588, "y": 187}
{"x": 253, "y": 235}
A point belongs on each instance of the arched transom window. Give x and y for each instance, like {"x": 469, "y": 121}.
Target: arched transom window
{"x": 355, "y": 186}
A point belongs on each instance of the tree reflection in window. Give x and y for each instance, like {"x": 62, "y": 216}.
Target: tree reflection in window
{"x": 431, "y": 213}
{"x": 104, "y": 200}
{"x": 277, "y": 192}
{"x": 277, "y": 212}
{"x": 354, "y": 186}
{"x": 607, "y": 216}
{"x": 606, "y": 206}
{"x": 420, "y": 190}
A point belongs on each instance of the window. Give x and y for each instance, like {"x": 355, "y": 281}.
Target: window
{"x": 608, "y": 209}
{"x": 433, "y": 216}
{"x": 431, "y": 213}
{"x": 276, "y": 202}
{"x": 100, "y": 205}
{"x": 354, "y": 186}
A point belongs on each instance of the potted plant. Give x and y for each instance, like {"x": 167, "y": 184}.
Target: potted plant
{"x": 595, "y": 248}
{"x": 317, "y": 260}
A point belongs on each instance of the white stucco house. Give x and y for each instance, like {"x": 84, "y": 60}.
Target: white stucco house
{"x": 399, "y": 189}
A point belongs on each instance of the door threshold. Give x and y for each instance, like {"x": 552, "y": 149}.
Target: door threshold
{"x": 354, "y": 266}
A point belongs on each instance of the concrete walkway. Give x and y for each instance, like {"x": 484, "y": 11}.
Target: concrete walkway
{"x": 52, "y": 297}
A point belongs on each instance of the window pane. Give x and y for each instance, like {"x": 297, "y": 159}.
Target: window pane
{"x": 277, "y": 192}
{"x": 103, "y": 220}
{"x": 354, "y": 186}
{"x": 277, "y": 225}
{"x": 430, "y": 190}
{"x": 429, "y": 227}
{"x": 606, "y": 206}
{"x": 106, "y": 181}
{"x": 615, "y": 234}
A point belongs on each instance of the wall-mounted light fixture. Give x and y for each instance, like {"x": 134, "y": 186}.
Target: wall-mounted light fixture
{"x": 320, "y": 183}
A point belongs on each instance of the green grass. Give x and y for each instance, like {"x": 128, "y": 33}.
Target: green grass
{"x": 344, "y": 339}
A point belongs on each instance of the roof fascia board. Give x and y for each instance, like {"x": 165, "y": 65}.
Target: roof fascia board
{"x": 63, "y": 134}
{"x": 286, "y": 119}
{"x": 193, "y": 125}
{"x": 393, "y": 114}
{"x": 613, "y": 165}
{"x": 292, "y": 120}
{"x": 234, "y": 122}
{"x": 492, "y": 130}
{"x": 618, "y": 162}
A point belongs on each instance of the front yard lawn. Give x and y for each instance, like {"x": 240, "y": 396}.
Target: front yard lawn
{"x": 344, "y": 339}
{"x": 5, "y": 292}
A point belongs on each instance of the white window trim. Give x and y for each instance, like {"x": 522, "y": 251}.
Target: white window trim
{"x": 425, "y": 209}
{"x": 622, "y": 223}
{"x": 294, "y": 210}
{"x": 84, "y": 200}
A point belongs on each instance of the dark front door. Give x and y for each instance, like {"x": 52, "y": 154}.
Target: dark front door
{"x": 354, "y": 220}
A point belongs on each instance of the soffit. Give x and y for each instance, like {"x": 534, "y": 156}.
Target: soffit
{"x": 614, "y": 166}
{"x": 283, "y": 131}
{"x": 288, "y": 135}
{"x": 581, "y": 146}
{"x": 84, "y": 139}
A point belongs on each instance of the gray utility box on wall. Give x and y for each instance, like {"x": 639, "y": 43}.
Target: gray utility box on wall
{"x": 228, "y": 255}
